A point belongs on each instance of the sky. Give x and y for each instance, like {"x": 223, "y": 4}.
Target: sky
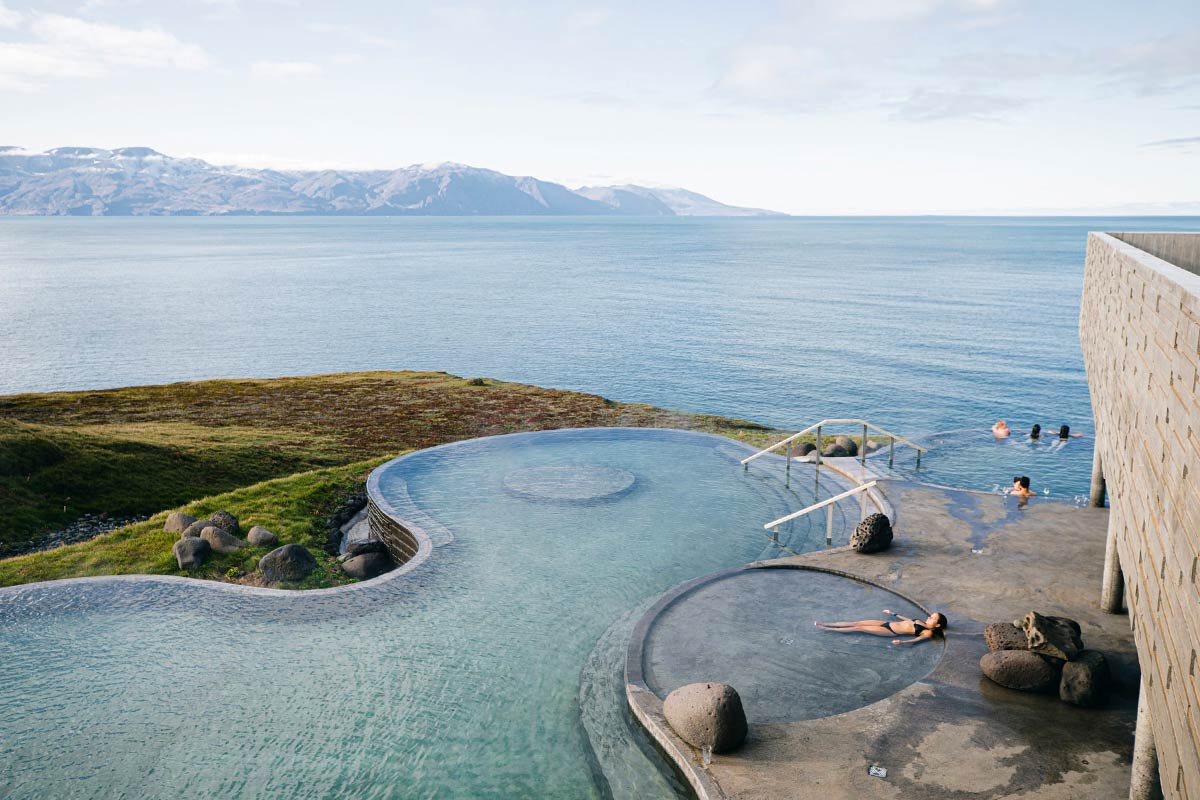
{"x": 807, "y": 107}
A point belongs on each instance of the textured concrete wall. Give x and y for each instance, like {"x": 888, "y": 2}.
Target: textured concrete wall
{"x": 400, "y": 542}
{"x": 1140, "y": 329}
{"x": 1182, "y": 250}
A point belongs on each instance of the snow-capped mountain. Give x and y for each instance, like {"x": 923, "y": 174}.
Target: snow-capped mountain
{"x": 143, "y": 182}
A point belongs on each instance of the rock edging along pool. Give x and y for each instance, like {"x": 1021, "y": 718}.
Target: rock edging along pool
{"x": 459, "y": 680}
{"x": 752, "y": 628}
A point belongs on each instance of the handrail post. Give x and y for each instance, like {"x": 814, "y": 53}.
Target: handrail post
{"x": 862, "y": 506}
{"x": 918, "y": 459}
{"x": 829, "y": 525}
{"x": 818, "y": 443}
{"x": 789, "y": 458}
{"x": 863, "y": 454}
{"x": 891, "y": 451}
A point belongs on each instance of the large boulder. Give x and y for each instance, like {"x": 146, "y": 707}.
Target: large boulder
{"x": 177, "y": 522}
{"x": 804, "y": 449}
{"x": 707, "y": 714}
{"x": 834, "y": 451}
{"x": 365, "y": 546}
{"x": 873, "y": 534}
{"x": 367, "y": 565}
{"x": 220, "y": 540}
{"x": 191, "y": 552}
{"x": 1084, "y": 680}
{"x": 1005, "y": 636}
{"x": 1020, "y": 669}
{"x": 226, "y": 521}
{"x": 194, "y": 529}
{"x": 847, "y": 444}
{"x": 1056, "y": 637}
{"x": 292, "y": 562}
{"x": 872, "y": 446}
{"x": 261, "y": 537}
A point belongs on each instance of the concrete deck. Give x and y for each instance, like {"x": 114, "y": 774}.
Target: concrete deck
{"x": 979, "y": 559}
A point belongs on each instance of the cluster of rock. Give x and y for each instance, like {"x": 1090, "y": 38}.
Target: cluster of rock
{"x": 1038, "y": 653}
{"x": 200, "y": 538}
{"x": 840, "y": 447}
{"x": 872, "y": 534}
{"x": 707, "y": 715}
{"x": 84, "y": 529}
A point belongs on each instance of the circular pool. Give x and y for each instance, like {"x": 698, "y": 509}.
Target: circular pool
{"x": 754, "y": 629}
{"x": 458, "y": 679}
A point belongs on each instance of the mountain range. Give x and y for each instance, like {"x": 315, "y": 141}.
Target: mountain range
{"x": 139, "y": 181}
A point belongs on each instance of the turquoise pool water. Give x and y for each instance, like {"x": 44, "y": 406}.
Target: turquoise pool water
{"x": 974, "y": 459}
{"x": 490, "y": 670}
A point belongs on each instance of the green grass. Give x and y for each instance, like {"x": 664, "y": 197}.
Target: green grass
{"x": 291, "y": 507}
{"x": 151, "y": 449}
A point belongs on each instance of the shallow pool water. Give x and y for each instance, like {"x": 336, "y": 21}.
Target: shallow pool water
{"x": 754, "y": 629}
{"x": 973, "y": 459}
{"x": 459, "y": 679}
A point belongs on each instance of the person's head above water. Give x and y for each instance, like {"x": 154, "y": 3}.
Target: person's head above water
{"x": 937, "y": 620}
{"x": 1064, "y": 432}
{"x": 1036, "y": 432}
{"x": 1024, "y": 481}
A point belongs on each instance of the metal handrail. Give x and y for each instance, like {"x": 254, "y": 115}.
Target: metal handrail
{"x": 866, "y": 425}
{"x": 828, "y": 502}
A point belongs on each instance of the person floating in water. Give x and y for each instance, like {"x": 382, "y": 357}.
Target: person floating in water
{"x": 920, "y": 630}
{"x": 1000, "y": 430}
{"x": 1036, "y": 433}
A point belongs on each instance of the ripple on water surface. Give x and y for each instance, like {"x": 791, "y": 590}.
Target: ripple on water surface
{"x": 460, "y": 679}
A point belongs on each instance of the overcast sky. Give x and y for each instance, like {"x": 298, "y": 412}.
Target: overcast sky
{"x": 845, "y": 106}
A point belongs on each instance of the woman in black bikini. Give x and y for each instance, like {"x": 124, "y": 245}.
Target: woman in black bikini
{"x": 920, "y": 630}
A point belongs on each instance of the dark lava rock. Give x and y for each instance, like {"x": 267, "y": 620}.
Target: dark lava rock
{"x": 292, "y": 562}
{"x": 1004, "y": 636}
{"x": 834, "y": 451}
{"x": 367, "y": 565}
{"x": 195, "y": 528}
{"x": 191, "y": 552}
{"x": 220, "y": 540}
{"x": 1056, "y": 637}
{"x": 707, "y": 714}
{"x": 261, "y": 537}
{"x": 177, "y": 522}
{"x": 1085, "y": 680}
{"x": 873, "y": 534}
{"x": 847, "y": 444}
{"x": 368, "y": 546}
{"x": 226, "y": 521}
{"x": 804, "y": 449}
{"x": 1020, "y": 669}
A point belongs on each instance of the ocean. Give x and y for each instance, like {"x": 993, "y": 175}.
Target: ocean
{"x": 918, "y": 324}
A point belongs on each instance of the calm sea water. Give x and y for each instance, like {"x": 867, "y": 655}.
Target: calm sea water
{"x": 921, "y": 324}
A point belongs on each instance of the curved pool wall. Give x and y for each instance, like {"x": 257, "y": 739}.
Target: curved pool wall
{"x": 976, "y": 460}
{"x": 459, "y": 675}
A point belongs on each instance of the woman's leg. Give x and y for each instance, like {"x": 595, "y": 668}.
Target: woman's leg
{"x": 859, "y": 624}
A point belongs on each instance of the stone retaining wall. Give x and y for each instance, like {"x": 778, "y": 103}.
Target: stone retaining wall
{"x": 1140, "y": 330}
{"x": 400, "y": 542}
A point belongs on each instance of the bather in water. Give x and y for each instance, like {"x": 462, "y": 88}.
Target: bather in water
{"x": 919, "y": 630}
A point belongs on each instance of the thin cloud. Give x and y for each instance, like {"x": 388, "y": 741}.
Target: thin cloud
{"x": 69, "y": 47}
{"x": 8, "y": 17}
{"x": 1182, "y": 143}
{"x": 932, "y": 105}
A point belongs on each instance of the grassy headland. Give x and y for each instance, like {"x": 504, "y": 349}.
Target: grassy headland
{"x": 279, "y": 453}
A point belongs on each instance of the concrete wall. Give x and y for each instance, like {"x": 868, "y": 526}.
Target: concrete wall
{"x": 400, "y": 542}
{"x": 1140, "y": 330}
